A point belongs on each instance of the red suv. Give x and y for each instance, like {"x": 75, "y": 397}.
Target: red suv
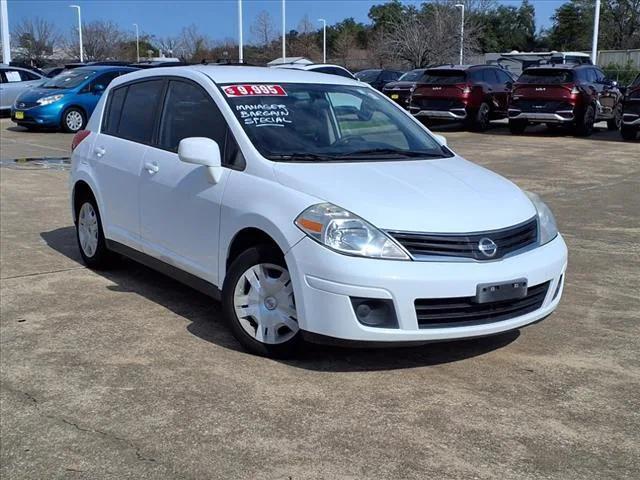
{"x": 565, "y": 95}
{"x": 472, "y": 94}
{"x": 631, "y": 111}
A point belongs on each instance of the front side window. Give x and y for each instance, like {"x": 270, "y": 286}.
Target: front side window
{"x": 412, "y": 76}
{"x": 189, "y": 112}
{"x": 318, "y": 122}
{"x": 69, "y": 78}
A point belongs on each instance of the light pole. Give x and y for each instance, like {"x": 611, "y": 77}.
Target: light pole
{"x": 6, "y": 47}
{"x": 324, "y": 39}
{"x": 240, "y": 46}
{"x": 137, "y": 43}
{"x": 79, "y": 31}
{"x": 596, "y": 27}
{"x": 284, "y": 34}
{"x": 461, "y": 6}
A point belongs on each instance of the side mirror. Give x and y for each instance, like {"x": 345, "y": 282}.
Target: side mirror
{"x": 440, "y": 139}
{"x": 202, "y": 151}
{"x": 98, "y": 88}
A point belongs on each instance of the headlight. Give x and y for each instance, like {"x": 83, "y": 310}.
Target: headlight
{"x": 49, "y": 100}
{"x": 347, "y": 233}
{"x": 546, "y": 221}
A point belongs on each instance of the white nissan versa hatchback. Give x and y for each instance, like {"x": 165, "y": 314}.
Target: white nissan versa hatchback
{"x": 312, "y": 206}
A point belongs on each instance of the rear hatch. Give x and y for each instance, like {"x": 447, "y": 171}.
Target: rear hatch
{"x": 441, "y": 90}
{"x": 540, "y": 89}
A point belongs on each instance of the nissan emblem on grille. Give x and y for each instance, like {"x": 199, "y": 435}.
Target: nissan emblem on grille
{"x": 488, "y": 247}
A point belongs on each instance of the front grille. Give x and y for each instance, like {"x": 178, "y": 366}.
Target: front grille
{"x": 507, "y": 240}
{"x": 463, "y": 311}
{"x": 541, "y": 106}
{"x": 438, "y": 104}
{"x": 23, "y": 105}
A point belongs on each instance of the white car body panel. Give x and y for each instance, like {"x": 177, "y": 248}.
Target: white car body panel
{"x": 177, "y": 216}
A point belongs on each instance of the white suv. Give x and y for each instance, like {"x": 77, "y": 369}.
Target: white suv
{"x": 312, "y": 206}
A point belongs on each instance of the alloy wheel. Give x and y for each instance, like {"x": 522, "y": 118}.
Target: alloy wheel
{"x": 264, "y": 304}
{"x": 88, "y": 229}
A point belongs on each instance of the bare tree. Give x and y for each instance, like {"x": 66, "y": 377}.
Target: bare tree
{"x": 343, "y": 45}
{"x": 263, "y": 29}
{"x": 36, "y": 39}
{"x": 170, "y": 45}
{"x": 193, "y": 44}
{"x": 101, "y": 40}
{"x": 305, "y": 44}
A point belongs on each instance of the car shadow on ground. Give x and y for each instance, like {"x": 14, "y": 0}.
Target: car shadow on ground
{"x": 205, "y": 317}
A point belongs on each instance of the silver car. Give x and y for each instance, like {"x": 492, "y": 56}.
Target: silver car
{"x": 14, "y": 81}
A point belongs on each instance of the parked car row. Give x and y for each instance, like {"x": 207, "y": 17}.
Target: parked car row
{"x": 571, "y": 95}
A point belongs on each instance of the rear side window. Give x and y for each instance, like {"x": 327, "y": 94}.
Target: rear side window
{"x": 444, "y": 77}
{"x": 546, "y": 76}
{"x": 27, "y": 76}
{"x": 137, "y": 119}
{"x": 114, "y": 110}
{"x": 12, "y": 76}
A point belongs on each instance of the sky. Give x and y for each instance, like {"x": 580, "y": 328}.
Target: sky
{"x": 217, "y": 18}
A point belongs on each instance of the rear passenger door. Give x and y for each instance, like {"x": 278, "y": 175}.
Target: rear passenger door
{"x": 128, "y": 125}
{"x": 179, "y": 207}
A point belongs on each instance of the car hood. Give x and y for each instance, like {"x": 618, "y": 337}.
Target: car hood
{"x": 439, "y": 196}
{"x": 36, "y": 93}
{"x": 402, "y": 85}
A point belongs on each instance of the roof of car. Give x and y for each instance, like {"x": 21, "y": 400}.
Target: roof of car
{"x": 223, "y": 74}
{"x": 105, "y": 68}
{"x": 561, "y": 66}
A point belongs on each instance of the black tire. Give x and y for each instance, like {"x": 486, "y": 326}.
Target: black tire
{"x": 479, "y": 120}
{"x": 517, "y": 127}
{"x": 629, "y": 133}
{"x": 616, "y": 121}
{"x": 249, "y": 258}
{"x": 584, "y": 125}
{"x": 70, "y": 120}
{"x": 101, "y": 257}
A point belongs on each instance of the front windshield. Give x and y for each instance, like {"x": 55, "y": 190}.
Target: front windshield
{"x": 368, "y": 76}
{"x": 69, "y": 78}
{"x": 322, "y": 122}
{"x": 411, "y": 76}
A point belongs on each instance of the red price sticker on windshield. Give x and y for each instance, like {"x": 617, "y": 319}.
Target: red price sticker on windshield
{"x": 254, "y": 90}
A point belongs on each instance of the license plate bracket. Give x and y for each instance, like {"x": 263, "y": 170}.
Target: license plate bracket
{"x": 497, "y": 292}
{"x": 395, "y": 96}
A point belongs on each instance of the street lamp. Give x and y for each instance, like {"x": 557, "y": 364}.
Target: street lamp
{"x": 6, "y": 48}
{"x": 596, "y": 27}
{"x": 79, "y": 31}
{"x": 461, "y": 6}
{"x": 137, "y": 43}
{"x": 284, "y": 35}
{"x": 240, "y": 46}
{"x": 324, "y": 39}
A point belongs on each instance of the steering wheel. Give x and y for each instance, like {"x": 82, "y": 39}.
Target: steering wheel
{"x": 348, "y": 140}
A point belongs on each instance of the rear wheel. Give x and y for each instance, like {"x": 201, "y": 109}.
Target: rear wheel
{"x": 629, "y": 133}
{"x": 259, "y": 305}
{"x": 584, "y": 125}
{"x": 479, "y": 122}
{"x": 90, "y": 235}
{"x": 517, "y": 127}
{"x": 73, "y": 120}
{"x": 616, "y": 121}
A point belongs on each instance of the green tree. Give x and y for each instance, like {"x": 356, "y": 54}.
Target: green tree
{"x": 572, "y": 26}
{"x": 507, "y": 28}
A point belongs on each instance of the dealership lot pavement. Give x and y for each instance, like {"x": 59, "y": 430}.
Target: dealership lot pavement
{"x": 128, "y": 374}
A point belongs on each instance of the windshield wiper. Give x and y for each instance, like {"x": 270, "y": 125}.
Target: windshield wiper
{"x": 301, "y": 157}
{"x": 388, "y": 152}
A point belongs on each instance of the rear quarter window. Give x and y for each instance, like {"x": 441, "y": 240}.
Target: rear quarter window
{"x": 113, "y": 111}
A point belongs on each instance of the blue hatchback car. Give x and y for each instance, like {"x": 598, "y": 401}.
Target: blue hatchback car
{"x": 65, "y": 101}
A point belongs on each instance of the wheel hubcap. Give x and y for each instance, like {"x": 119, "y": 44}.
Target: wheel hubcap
{"x": 88, "y": 229}
{"x": 264, "y": 304}
{"x": 74, "y": 120}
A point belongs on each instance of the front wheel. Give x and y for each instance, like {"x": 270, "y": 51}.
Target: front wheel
{"x": 616, "y": 121}
{"x": 73, "y": 120}
{"x": 258, "y": 303}
{"x": 629, "y": 133}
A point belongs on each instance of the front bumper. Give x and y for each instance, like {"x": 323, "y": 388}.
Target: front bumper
{"x": 325, "y": 281}
{"x": 631, "y": 119}
{"x": 45, "y": 116}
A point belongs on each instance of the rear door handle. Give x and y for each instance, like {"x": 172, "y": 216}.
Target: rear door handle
{"x": 151, "y": 167}
{"x": 99, "y": 151}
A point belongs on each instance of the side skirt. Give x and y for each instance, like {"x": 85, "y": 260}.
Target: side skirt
{"x": 181, "y": 276}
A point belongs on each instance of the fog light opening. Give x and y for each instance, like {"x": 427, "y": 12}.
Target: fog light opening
{"x": 374, "y": 312}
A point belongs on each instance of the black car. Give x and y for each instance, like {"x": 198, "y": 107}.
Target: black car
{"x": 378, "y": 78}
{"x": 400, "y": 90}
{"x": 631, "y": 111}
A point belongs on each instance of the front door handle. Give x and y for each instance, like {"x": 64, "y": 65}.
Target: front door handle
{"x": 99, "y": 151}
{"x": 151, "y": 167}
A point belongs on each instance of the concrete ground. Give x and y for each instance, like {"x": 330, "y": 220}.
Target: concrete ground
{"x": 128, "y": 374}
